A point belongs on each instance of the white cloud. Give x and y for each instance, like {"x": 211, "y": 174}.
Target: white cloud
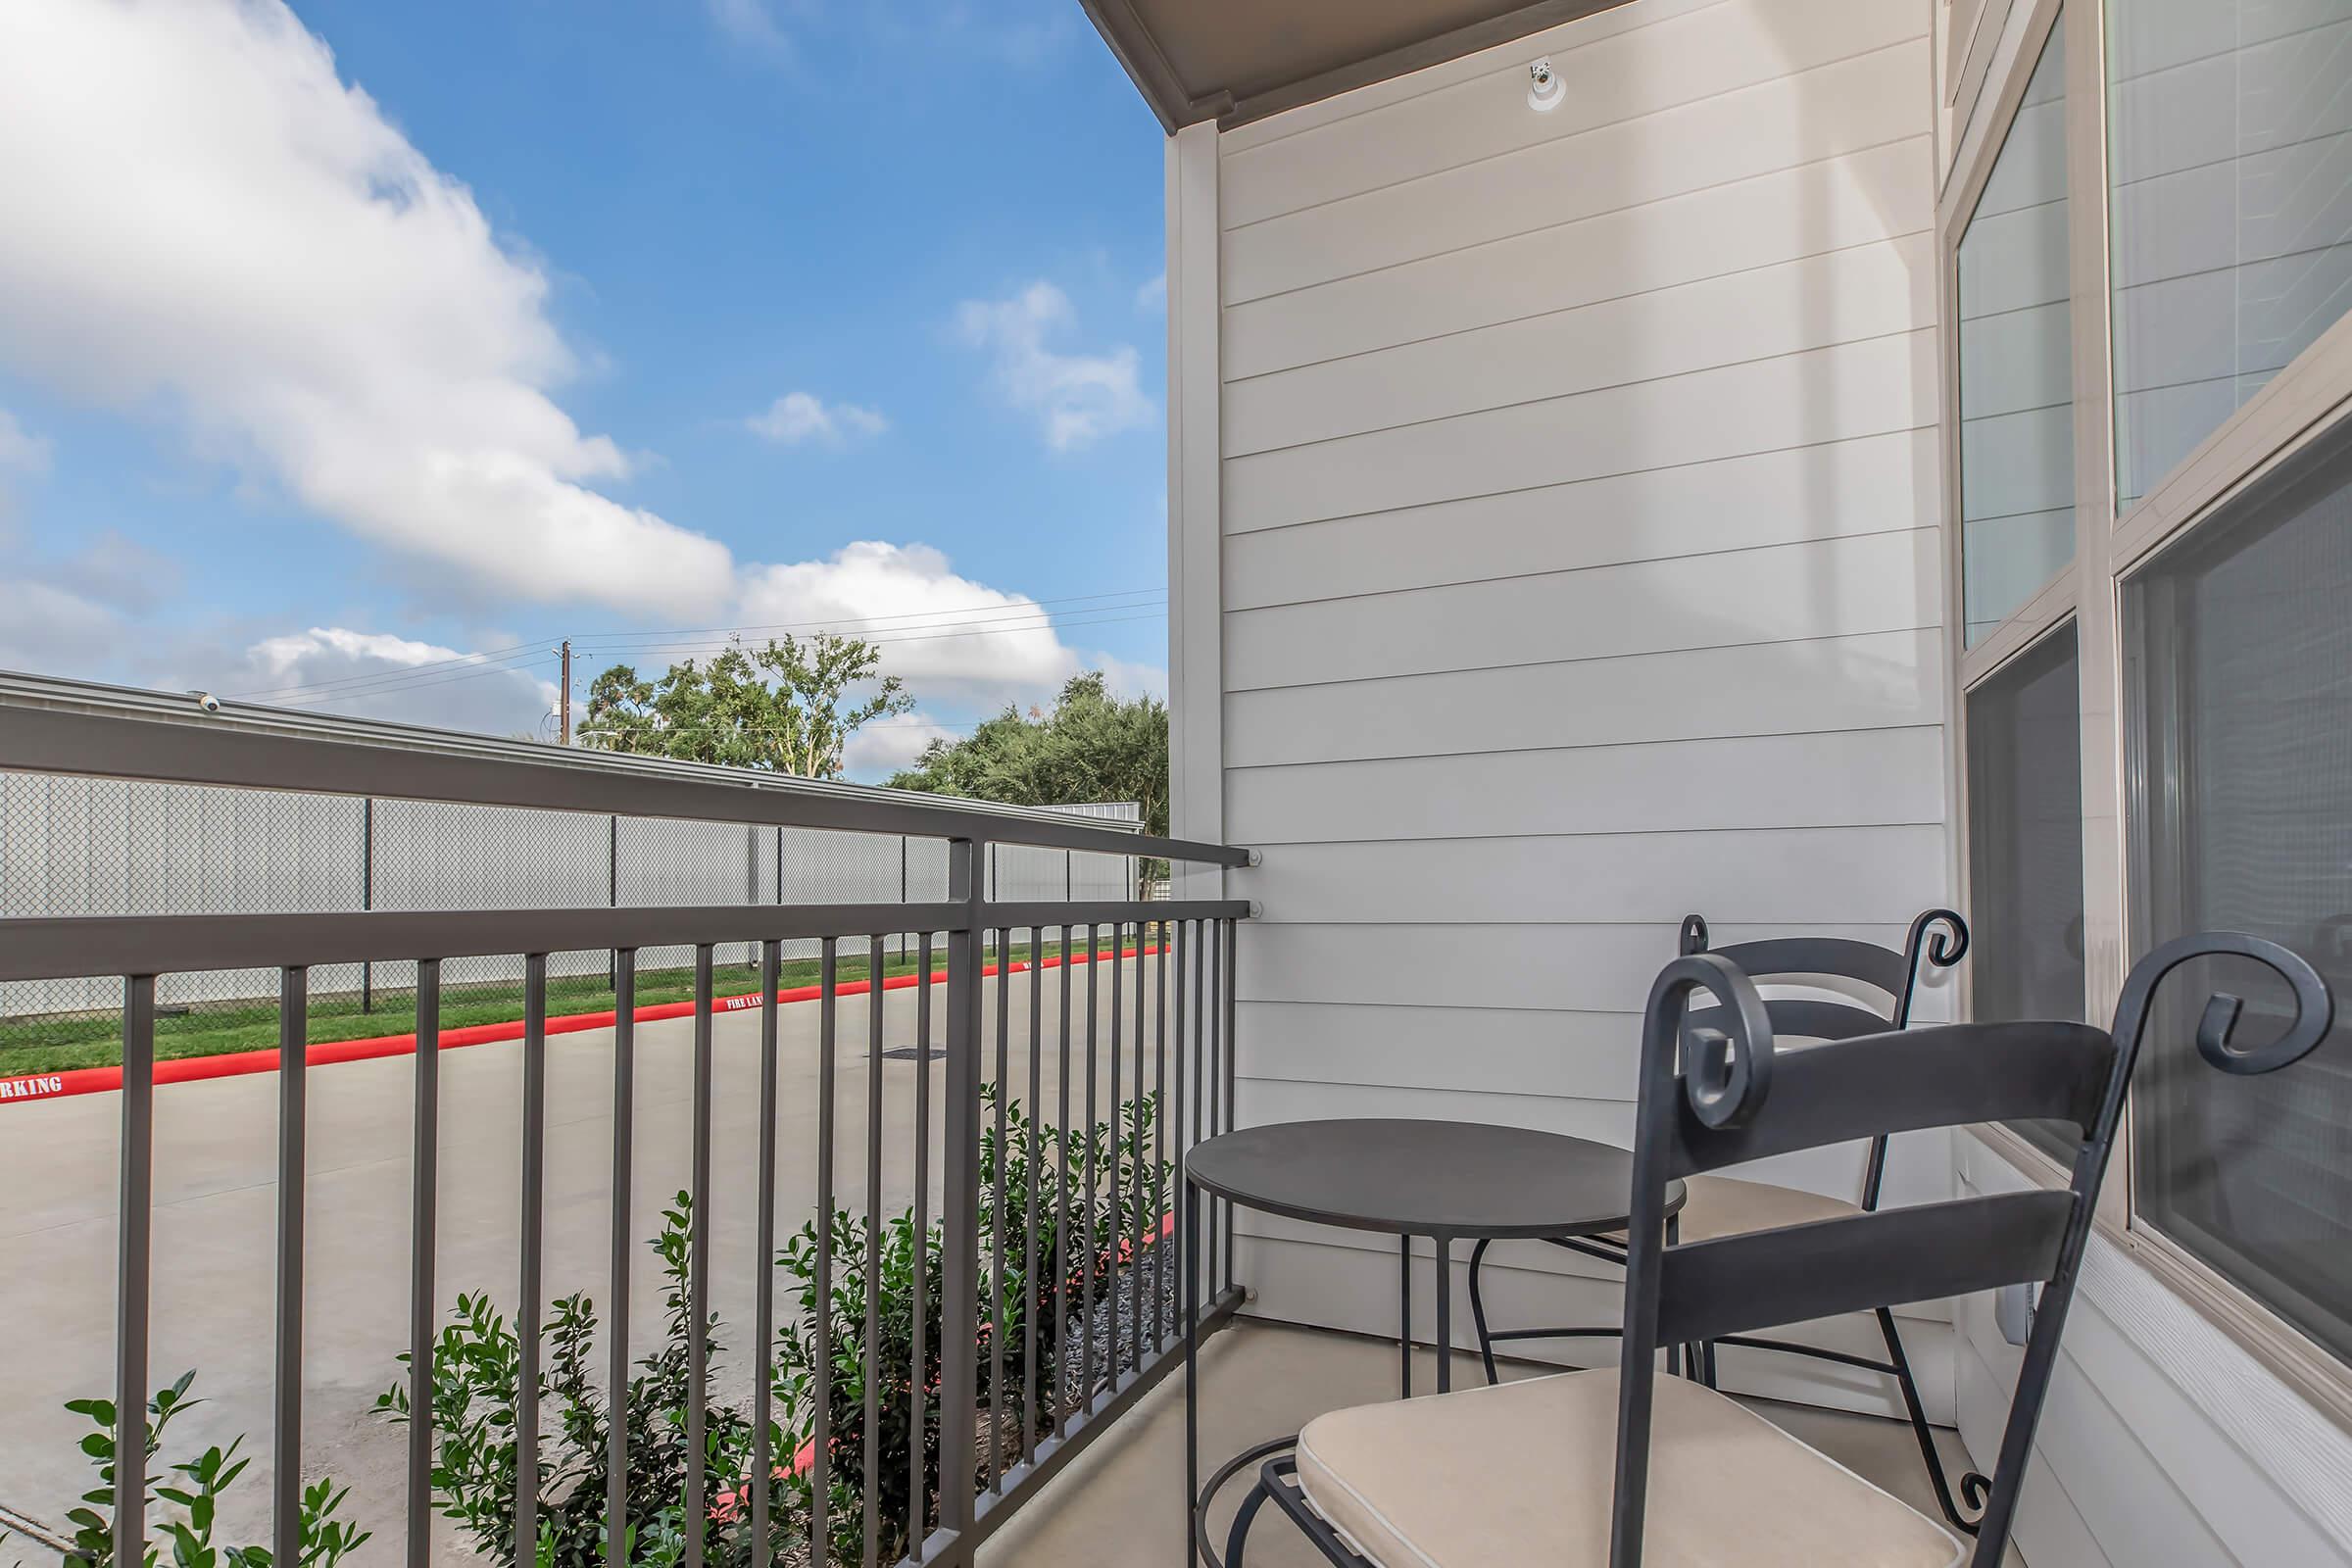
{"x": 942, "y": 634}
{"x": 1077, "y": 398}
{"x": 474, "y": 695}
{"x": 22, "y": 452}
{"x": 890, "y": 744}
{"x": 218, "y": 231}
{"x": 799, "y": 416}
{"x": 1130, "y": 682}
{"x": 1152, "y": 295}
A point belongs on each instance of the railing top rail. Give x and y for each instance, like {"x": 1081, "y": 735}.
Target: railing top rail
{"x": 64, "y": 947}
{"x": 76, "y": 727}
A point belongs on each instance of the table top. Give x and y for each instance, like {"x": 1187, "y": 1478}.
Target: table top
{"x": 1423, "y": 1178}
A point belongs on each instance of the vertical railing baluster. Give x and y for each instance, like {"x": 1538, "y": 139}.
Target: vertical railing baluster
{"x": 532, "y": 1261}
{"x": 293, "y": 1114}
{"x": 698, "y": 1273}
{"x": 424, "y": 1189}
{"x": 1031, "y": 1304}
{"x": 764, "y": 1254}
{"x": 871, "y": 1446}
{"x": 1162, "y": 1222}
{"x": 1216, "y": 1081}
{"x": 1118, "y": 1143}
{"x": 1062, "y": 1212}
{"x": 960, "y": 1263}
{"x": 1177, "y": 940}
{"x": 1228, "y": 932}
{"x": 995, "y": 1276}
{"x": 820, "y": 1468}
{"x": 1198, "y": 1241}
{"x": 1086, "y": 1316}
{"x": 1135, "y": 1157}
{"x": 917, "y": 1483}
{"x": 135, "y": 1259}
{"x": 617, "y": 1350}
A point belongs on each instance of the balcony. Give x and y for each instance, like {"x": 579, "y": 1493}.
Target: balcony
{"x": 1005, "y": 1074}
{"x": 1807, "y": 460}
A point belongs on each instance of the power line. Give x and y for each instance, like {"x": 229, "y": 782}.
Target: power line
{"x": 521, "y": 650}
{"x": 975, "y": 621}
{"x": 1023, "y": 607}
{"x": 422, "y": 677}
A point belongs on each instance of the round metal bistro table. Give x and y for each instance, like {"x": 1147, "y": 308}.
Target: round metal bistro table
{"x": 1446, "y": 1180}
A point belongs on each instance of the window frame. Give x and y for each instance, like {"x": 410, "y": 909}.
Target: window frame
{"x": 2307, "y": 399}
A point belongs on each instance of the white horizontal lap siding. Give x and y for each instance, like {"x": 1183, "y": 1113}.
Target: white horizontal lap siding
{"x": 2164, "y": 1442}
{"x": 1579, "y": 570}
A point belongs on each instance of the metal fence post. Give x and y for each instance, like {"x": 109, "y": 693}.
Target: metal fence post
{"x": 612, "y": 897}
{"x": 959, "y": 1284}
{"x": 367, "y": 894}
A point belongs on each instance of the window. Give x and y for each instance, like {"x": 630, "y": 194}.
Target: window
{"x": 2024, "y": 846}
{"x": 2017, "y": 423}
{"x": 2229, "y": 156}
{"x": 2239, "y": 671}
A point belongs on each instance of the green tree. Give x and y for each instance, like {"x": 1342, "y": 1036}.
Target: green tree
{"x": 789, "y": 708}
{"x": 1091, "y": 747}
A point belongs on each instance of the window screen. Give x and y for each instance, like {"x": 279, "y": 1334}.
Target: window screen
{"x": 2024, "y": 846}
{"x": 2239, "y": 667}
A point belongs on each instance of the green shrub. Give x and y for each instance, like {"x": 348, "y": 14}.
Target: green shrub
{"x": 1091, "y": 1252}
{"x": 323, "y": 1540}
{"x": 477, "y": 1375}
{"x": 478, "y": 1369}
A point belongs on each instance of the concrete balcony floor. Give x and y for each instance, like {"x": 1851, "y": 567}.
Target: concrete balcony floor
{"x": 1121, "y": 1503}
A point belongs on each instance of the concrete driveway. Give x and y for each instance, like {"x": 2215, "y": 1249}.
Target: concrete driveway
{"x": 216, "y": 1216}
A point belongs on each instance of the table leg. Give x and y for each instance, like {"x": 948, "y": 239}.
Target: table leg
{"x": 1404, "y": 1316}
{"x": 1192, "y": 1373}
{"x": 1444, "y": 1248}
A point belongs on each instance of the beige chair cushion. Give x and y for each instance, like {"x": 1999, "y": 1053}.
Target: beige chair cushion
{"x": 1725, "y": 1206}
{"x": 1526, "y": 1473}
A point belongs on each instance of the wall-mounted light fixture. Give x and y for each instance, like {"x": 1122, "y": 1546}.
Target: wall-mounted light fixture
{"x": 1545, "y": 89}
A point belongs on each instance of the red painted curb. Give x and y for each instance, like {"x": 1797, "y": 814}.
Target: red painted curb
{"x": 235, "y": 1064}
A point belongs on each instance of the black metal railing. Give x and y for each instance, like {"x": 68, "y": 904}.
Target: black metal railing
{"x": 1048, "y": 1230}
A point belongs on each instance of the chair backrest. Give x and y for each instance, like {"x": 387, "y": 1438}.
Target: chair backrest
{"x": 1720, "y": 1096}
{"x": 1937, "y": 936}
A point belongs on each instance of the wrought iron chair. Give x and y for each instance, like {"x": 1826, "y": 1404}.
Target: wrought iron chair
{"x": 1558, "y": 1469}
{"x": 1726, "y": 1205}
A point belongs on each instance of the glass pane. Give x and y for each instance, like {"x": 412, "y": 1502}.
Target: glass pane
{"x": 2017, "y": 409}
{"x": 2238, "y": 664}
{"x": 2229, "y": 151}
{"x": 2025, "y": 847}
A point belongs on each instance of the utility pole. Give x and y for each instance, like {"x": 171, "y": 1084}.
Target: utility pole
{"x": 565, "y": 738}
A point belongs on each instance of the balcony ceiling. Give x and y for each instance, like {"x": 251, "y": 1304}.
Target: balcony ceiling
{"x": 1234, "y": 61}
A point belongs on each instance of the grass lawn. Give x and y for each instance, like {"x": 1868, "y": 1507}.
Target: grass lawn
{"x": 54, "y": 1045}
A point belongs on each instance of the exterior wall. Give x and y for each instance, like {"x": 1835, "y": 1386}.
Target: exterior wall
{"x": 1554, "y": 506}
{"x": 2164, "y": 1444}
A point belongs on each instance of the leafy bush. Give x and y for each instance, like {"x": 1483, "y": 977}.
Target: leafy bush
{"x": 477, "y": 1376}
{"x": 323, "y": 1540}
{"x": 1093, "y": 1251}
{"x": 478, "y": 1369}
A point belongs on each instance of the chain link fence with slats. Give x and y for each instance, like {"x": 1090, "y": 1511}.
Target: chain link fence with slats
{"x": 74, "y": 846}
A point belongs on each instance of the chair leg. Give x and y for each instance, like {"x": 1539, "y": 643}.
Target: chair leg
{"x": 1707, "y": 1363}
{"x": 1477, "y": 1311}
{"x": 1237, "y": 1538}
{"x": 1971, "y": 1483}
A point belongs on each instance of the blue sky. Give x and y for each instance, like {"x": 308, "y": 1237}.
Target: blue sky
{"x": 338, "y": 340}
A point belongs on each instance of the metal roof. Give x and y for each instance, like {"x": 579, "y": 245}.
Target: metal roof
{"x": 1234, "y": 61}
